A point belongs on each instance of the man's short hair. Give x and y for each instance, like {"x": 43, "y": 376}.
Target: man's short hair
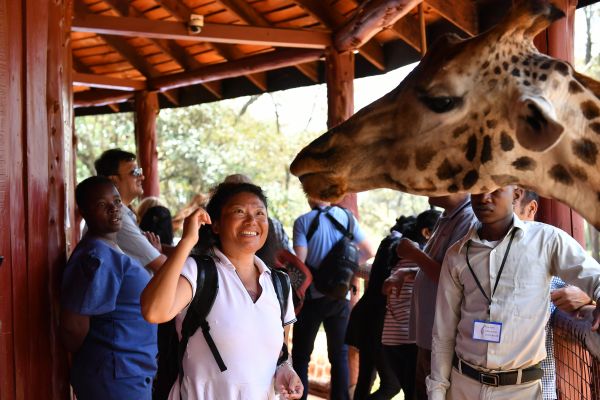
{"x": 88, "y": 187}
{"x": 109, "y": 161}
{"x": 529, "y": 196}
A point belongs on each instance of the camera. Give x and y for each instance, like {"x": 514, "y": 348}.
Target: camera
{"x": 195, "y": 24}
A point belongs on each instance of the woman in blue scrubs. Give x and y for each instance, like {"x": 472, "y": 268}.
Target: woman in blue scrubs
{"x": 114, "y": 348}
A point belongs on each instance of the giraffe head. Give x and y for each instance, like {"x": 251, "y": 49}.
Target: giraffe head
{"x": 474, "y": 115}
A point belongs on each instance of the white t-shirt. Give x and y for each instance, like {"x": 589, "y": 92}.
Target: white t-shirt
{"x": 248, "y": 336}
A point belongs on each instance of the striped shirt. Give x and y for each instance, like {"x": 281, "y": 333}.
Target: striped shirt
{"x": 396, "y": 325}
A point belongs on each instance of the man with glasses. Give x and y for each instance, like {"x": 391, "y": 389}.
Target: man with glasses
{"x": 121, "y": 168}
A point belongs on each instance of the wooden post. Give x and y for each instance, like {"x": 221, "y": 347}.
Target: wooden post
{"x": 35, "y": 132}
{"x": 146, "y": 111}
{"x": 340, "y": 107}
{"x": 557, "y": 41}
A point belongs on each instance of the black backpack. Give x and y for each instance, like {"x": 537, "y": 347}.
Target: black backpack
{"x": 334, "y": 275}
{"x": 171, "y": 350}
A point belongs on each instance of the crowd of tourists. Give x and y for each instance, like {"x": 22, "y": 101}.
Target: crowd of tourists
{"x": 457, "y": 306}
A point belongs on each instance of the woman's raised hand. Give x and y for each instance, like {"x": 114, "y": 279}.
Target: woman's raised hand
{"x": 193, "y": 222}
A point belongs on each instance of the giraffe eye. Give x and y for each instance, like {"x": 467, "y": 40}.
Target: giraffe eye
{"x": 441, "y": 104}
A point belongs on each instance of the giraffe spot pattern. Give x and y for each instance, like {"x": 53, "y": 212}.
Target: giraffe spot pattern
{"x": 578, "y": 173}
{"x": 503, "y": 180}
{"x": 423, "y": 157}
{"x": 471, "y": 148}
{"x": 561, "y": 175}
{"x": 492, "y": 83}
{"x": 534, "y": 75}
{"x": 514, "y": 59}
{"x": 474, "y": 116}
{"x": 575, "y": 87}
{"x": 546, "y": 65}
{"x": 491, "y": 123}
{"x": 589, "y": 109}
{"x": 543, "y": 77}
{"x": 452, "y": 188}
{"x": 524, "y": 164}
{"x": 497, "y": 70}
{"x": 460, "y": 130}
{"x": 585, "y": 150}
{"x": 401, "y": 161}
{"x": 527, "y": 73}
{"x": 486, "y": 149}
{"x": 448, "y": 171}
{"x": 562, "y": 68}
{"x": 485, "y": 65}
{"x": 486, "y": 111}
{"x": 505, "y": 65}
{"x": 525, "y": 62}
{"x": 470, "y": 179}
{"x": 506, "y": 142}
{"x": 526, "y": 83}
{"x": 516, "y": 72}
{"x": 595, "y": 126}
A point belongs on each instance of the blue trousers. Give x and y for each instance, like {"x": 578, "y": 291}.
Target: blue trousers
{"x": 334, "y": 315}
{"x": 104, "y": 386}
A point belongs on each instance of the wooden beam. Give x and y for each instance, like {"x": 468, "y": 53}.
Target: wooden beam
{"x": 107, "y": 82}
{"x": 233, "y": 69}
{"x": 100, "y": 97}
{"x": 407, "y": 29}
{"x": 333, "y": 20}
{"x": 176, "y": 8}
{"x": 219, "y": 33}
{"x": 146, "y": 112}
{"x": 370, "y": 19}
{"x": 310, "y": 70}
{"x": 114, "y": 107}
{"x": 462, "y": 13}
{"x": 422, "y": 29}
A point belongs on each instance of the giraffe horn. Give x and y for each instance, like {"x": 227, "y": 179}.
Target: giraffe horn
{"x": 529, "y": 17}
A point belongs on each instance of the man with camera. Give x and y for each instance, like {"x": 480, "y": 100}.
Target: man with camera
{"x": 316, "y": 233}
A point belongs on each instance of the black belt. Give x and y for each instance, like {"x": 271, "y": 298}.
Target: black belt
{"x": 499, "y": 378}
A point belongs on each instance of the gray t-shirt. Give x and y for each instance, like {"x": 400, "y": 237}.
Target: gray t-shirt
{"x": 133, "y": 242}
{"x": 449, "y": 229}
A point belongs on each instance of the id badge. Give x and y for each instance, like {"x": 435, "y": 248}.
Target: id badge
{"x": 487, "y": 331}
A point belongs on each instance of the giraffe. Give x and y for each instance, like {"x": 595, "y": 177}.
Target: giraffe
{"x": 474, "y": 115}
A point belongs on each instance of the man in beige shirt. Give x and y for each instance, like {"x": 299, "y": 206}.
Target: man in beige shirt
{"x": 492, "y": 303}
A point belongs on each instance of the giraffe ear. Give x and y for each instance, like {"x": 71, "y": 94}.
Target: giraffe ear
{"x": 537, "y": 127}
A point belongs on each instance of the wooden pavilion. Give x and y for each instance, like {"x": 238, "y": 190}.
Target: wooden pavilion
{"x": 62, "y": 58}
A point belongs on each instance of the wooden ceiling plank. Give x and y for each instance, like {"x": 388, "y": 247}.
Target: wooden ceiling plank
{"x": 172, "y": 96}
{"x": 407, "y": 29}
{"x": 461, "y": 13}
{"x": 369, "y": 19}
{"x": 182, "y": 13}
{"x": 114, "y": 107}
{"x": 249, "y": 65}
{"x": 215, "y": 87}
{"x": 373, "y": 53}
{"x": 310, "y": 70}
{"x": 78, "y": 66}
{"x": 220, "y": 33}
{"x": 107, "y": 82}
{"x": 259, "y": 80}
{"x": 245, "y": 12}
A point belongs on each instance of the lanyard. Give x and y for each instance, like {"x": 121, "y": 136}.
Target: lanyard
{"x": 489, "y": 299}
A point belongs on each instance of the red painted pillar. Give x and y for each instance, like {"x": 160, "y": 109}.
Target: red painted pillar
{"x": 557, "y": 41}
{"x": 146, "y": 111}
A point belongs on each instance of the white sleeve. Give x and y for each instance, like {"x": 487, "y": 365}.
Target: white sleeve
{"x": 131, "y": 240}
{"x": 190, "y": 272}
{"x": 290, "y": 315}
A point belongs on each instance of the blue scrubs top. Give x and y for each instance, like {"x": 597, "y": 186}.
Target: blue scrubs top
{"x": 106, "y": 285}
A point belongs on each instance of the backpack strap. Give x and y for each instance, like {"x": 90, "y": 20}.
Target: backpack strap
{"x": 282, "y": 284}
{"x": 345, "y": 231}
{"x": 314, "y": 224}
{"x": 207, "y": 285}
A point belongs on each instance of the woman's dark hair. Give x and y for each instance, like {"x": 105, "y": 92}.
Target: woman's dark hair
{"x": 427, "y": 219}
{"x": 158, "y": 220}
{"x": 87, "y": 187}
{"x": 268, "y": 253}
{"x": 220, "y": 196}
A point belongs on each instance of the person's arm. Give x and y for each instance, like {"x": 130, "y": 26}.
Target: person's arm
{"x": 158, "y": 262}
{"x": 570, "y": 298}
{"x": 410, "y": 250}
{"x": 366, "y": 250}
{"x": 73, "y": 329}
{"x": 168, "y": 292}
{"x": 447, "y": 317}
{"x": 396, "y": 280}
{"x": 301, "y": 253}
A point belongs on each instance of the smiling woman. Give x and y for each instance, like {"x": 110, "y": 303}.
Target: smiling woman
{"x": 114, "y": 349}
{"x": 227, "y": 364}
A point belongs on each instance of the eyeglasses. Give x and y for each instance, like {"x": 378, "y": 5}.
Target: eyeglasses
{"x": 137, "y": 172}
